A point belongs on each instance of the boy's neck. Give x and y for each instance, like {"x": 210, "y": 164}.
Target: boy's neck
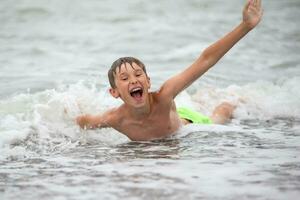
{"x": 138, "y": 113}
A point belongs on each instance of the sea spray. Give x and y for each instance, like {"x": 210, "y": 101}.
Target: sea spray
{"x": 259, "y": 100}
{"x": 45, "y": 121}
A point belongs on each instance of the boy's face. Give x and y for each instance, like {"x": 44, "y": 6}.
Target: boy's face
{"x": 132, "y": 85}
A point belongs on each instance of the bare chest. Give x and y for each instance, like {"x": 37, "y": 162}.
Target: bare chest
{"x": 160, "y": 123}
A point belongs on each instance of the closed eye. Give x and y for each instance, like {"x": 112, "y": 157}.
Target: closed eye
{"x": 138, "y": 73}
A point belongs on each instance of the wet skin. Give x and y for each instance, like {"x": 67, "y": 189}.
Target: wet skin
{"x": 145, "y": 116}
{"x": 151, "y": 115}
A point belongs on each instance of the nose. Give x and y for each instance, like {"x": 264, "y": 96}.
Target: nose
{"x": 133, "y": 80}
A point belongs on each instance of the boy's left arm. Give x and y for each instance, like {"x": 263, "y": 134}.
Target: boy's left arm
{"x": 252, "y": 14}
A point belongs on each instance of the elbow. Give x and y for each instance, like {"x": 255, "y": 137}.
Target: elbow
{"x": 205, "y": 60}
{"x": 209, "y": 58}
{"x": 206, "y": 56}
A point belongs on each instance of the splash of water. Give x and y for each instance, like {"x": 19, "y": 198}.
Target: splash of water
{"x": 45, "y": 121}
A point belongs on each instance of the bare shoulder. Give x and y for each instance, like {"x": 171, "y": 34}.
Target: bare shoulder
{"x": 162, "y": 96}
{"x": 161, "y": 100}
{"x": 113, "y": 116}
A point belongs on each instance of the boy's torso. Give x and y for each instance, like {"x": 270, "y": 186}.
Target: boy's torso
{"x": 162, "y": 121}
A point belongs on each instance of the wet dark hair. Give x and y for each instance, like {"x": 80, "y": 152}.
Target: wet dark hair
{"x": 117, "y": 64}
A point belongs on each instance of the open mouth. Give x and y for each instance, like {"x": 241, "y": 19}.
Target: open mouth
{"x": 136, "y": 93}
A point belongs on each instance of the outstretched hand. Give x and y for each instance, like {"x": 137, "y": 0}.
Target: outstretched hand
{"x": 252, "y": 13}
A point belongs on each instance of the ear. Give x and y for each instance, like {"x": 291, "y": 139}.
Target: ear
{"x": 149, "y": 82}
{"x": 114, "y": 92}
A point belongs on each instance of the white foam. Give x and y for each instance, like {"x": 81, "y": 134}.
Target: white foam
{"x": 259, "y": 100}
{"x": 46, "y": 119}
{"x": 13, "y": 129}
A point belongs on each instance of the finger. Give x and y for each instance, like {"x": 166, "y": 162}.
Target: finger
{"x": 253, "y": 10}
{"x": 247, "y": 5}
{"x": 259, "y": 3}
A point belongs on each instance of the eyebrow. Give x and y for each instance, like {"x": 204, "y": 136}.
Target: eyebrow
{"x": 123, "y": 74}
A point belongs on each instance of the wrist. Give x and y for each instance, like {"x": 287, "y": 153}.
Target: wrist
{"x": 246, "y": 27}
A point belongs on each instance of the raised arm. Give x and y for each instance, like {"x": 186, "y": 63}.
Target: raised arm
{"x": 252, "y": 14}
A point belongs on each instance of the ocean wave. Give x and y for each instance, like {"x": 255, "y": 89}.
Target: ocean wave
{"x": 259, "y": 100}
{"x": 43, "y": 122}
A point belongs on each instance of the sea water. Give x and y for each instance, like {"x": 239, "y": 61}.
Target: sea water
{"x": 53, "y": 64}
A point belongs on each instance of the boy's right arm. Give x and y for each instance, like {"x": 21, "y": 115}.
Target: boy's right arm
{"x": 95, "y": 121}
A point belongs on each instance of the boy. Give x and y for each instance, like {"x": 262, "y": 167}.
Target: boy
{"x": 150, "y": 115}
